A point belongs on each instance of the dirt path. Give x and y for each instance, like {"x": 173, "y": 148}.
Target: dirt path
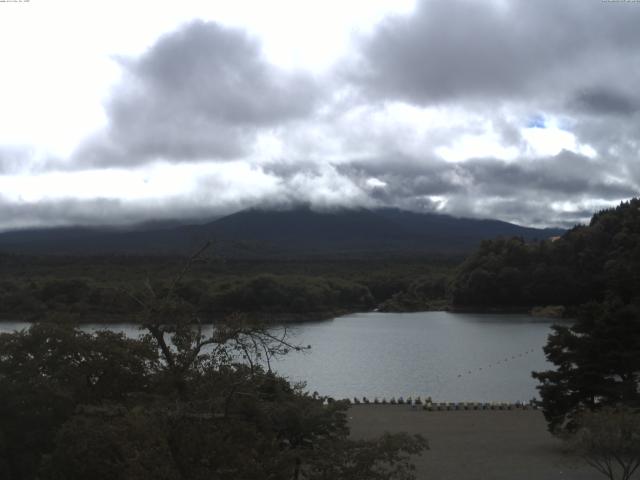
{"x": 476, "y": 445}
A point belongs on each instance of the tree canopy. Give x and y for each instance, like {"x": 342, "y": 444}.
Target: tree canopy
{"x": 597, "y": 363}
{"x": 588, "y": 263}
{"x": 177, "y": 403}
{"x": 609, "y": 440}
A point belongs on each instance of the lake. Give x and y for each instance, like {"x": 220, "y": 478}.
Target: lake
{"x": 451, "y": 357}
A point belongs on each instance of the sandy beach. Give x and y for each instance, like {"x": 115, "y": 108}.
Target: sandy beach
{"x": 476, "y": 445}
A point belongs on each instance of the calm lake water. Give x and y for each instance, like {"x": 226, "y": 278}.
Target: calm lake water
{"x": 450, "y": 357}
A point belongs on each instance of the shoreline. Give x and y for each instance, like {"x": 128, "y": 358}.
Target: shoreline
{"x": 552, "y": 312}
{"x": 268, "y": 318}
{"x": 282, "y": 318}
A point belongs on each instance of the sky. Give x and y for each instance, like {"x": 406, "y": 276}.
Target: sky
{"x": 121, "y": 112}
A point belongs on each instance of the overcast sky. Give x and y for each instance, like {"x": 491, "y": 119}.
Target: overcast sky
{"x": 118, "y": 112}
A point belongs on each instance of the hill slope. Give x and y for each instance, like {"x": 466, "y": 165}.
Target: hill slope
{"x": 282, "y": 232}
{"x": 588, "y": 263}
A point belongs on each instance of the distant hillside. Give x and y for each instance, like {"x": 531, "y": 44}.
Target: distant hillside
{"x": 299, "y": 231}
{"x": 588, "y": 263}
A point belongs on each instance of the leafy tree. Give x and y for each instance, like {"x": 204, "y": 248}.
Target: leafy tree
{"x": 609, "y": 440}
{"x": 50, "y": 370}
{"x": 290, "y": 293}
{"x": 182, "y": 402}
{"x": 597, "y": 363}
{"x": 111, "y": 443}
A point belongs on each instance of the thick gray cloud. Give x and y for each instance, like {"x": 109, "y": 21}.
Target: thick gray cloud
{"x": 565, "y": 175}
{"x": 459, "y": 80}
{"x": 509, "y": 62}
{"x": 464, "y": 49}
{"x": 201, "y": 92}
{"x": 606, "y": 101}
{"x": 521, "y": 191}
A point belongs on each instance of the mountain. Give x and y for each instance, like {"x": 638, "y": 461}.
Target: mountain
{"x": 298, "y": 231}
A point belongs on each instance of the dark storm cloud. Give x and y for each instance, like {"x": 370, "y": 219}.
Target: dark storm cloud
{"x": 406, "y": 177}
{"x": 536, "y": 210}
{"x": 507, "y": 62}
{"x": 461, "y": 49}
{"x": 201, "y": 92}
{"x": 520, "y": 191}
{"x": 605, "y": 101}
{"x": 286, "y": 169}
{"x": 566, "y": 174}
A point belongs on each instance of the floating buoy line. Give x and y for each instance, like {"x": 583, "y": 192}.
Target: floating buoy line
{"x": 502, "y": 361}
{"x": 429, "y": 405}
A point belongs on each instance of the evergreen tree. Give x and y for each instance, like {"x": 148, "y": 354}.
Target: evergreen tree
{"x": 597, "y": 364}
{"x": 588, "y": 263}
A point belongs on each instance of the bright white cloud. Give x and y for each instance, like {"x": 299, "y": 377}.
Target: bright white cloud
{"x": 477, "y": 146}
{"x": 376, "y": 183}
{"x": 58, "y": 57}
{"x": 550, "y": 140}
{"x": 211, "y": 181}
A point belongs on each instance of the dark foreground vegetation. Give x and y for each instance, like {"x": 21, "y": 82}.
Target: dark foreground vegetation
{"x": 102, "y": 288}
{"x": 174, "y": 405}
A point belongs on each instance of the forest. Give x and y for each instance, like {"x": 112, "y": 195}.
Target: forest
{"x": 595, "y": 262}
{"x": 102, "y": 288}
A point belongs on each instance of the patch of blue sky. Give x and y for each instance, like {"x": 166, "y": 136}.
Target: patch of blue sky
{"x": 537, "y": 121}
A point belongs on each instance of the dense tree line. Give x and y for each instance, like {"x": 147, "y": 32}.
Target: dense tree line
{"x": 291, "y": 294}
{"x": 588, "y": 263}
{"x": 426, "y": 292}
{"x": 94, "y": 289}
{"x": 261, "y": 293}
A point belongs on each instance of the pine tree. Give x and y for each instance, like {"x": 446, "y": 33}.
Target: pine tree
{"x": 597, "y": 364}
